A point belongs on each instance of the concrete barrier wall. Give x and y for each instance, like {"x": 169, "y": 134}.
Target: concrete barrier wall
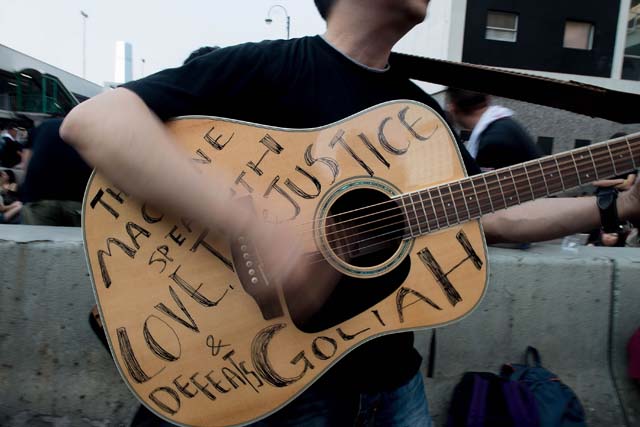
{"x": 579, "y": 308}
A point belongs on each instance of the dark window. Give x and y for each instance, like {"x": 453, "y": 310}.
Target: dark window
{"x": 578, "y": 35}
{"x": 582, "y": 143}
{"x": 545, "y": 143}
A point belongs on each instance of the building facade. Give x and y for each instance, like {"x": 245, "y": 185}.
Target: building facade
{"x": 593, "y": 42}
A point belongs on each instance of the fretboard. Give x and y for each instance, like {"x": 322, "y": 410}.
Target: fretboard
{"x": 457, "y": 202}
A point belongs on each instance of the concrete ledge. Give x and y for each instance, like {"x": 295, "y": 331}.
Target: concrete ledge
{"x": 578, "y": 308}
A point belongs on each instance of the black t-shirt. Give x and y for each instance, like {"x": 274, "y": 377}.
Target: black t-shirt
{"x": 55, "y": 171}
{"x": 504, "y": 143}
{"x": 300, "y": 83}
{"x": 9, "y": 152}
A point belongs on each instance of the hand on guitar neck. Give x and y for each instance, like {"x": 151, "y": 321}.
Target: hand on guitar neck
{"x": 629, "y": 199}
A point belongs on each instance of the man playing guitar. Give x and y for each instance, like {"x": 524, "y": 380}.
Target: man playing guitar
{"x": 299, "y": 83}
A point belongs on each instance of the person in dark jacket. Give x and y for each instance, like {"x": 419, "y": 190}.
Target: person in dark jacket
{"x": 496, "y": 140}
{"x": 55, "y": 181}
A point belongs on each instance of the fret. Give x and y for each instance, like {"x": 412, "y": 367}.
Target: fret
{"x": 473, "y": 185}
{"x": 444, "y": 208}
{"x": 426, "y": 217}
{"x": 504, "y": 196}
{"x": 515, "y": 186}
{"x": 595, "y": 168}
{"x": 543, "y": 178}
{"x": 559, "y": 173}
{"x": 407, "y": 214}
{"x": 486, "y": 185}
{"x": 631, "y": 153}
{"x": 615, "y": 171}
{"x": 436, "y": 208}
{"x": 526, "y": 174}
{"x": 464, "y": 199}
{"x": 533, "y": 178}
{"x": 602, "y": 153}
{"x": 575, "y": 166}
{"x": 553, "y": 180}
{"x": 507, "y": 193}
{"x": 413, "y": 205}
{"x": 619, "y": 153}
{"x": 586, "y": 167}
{"x": 433, "y": 207}
{"x": 469, "y": 188}
{"x": 453, "y": 201}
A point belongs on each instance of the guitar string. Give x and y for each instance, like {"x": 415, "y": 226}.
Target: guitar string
{"x": 419, "y": 219}
{"x": 568, "y": 163}
{"x": 449, "y": 210}
{"x": 337, "y": 250}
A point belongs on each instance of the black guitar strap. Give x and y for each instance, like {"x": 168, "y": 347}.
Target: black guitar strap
{"x": 572, "y": 96}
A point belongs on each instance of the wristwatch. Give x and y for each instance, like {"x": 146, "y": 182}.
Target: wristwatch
{"x": 606, "y": 200}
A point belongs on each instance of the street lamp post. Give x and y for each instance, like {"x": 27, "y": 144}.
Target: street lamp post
{"x": 84, "y": 43}
{"x": 268, "y": 20}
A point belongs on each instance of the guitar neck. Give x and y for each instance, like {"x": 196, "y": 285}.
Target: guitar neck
{"x": 453, "y": 203}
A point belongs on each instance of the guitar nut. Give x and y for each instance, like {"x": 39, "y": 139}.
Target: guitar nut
{"x": 252, "y": 272}
{"x": 245, "y": 255}
{"x": 249, "y": 264}
{"x": 243, "y": 248}
{"x": 254, "y": 280}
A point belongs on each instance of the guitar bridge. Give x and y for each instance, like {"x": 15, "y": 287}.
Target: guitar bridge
{"x": 253, "y": 277}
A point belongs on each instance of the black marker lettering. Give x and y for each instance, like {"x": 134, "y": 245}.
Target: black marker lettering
{"x": 402, "y": 116}
{"x": 164, "y": 309}
{"x": 300, "y": 192}
{"x": 214, "y": 142}
{"x": 150, "y": 219}
{"x": 129, "y": 251}
{"x": 155, "y": 346}
{"x": 401, "y": 295}
{"x": 130, "y": 361}
{"x": 322, "y": 354}
{"x": 385, "y": 143}
{"x": 201, "y": 242}
{"x": 178, "y": 238}
{"x": 193, "y": 292}
{"x": 272, "y": 146}
{"x": 259, "y": 349}
{"x": 202, "y": 387}
{"x": 274, "y": 186}
{"x": 327, "y": 161}
{"x": 183, "y": 388}
{"x": 98, "y": 199}
{"x": 165, "y": 406}
{"x": 339, "y": 140}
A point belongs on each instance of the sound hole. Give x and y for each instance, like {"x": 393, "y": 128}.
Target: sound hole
{"x": 364, "y": 227}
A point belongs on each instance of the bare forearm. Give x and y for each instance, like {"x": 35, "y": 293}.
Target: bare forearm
{"x": 543, "y": 219}
{"x": 118, "y": 135}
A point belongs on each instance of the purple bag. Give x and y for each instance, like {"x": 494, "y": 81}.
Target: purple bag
{"x": 483, "y": 399}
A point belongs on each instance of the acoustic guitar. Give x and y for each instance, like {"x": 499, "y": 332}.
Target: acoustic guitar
{"x": 205, "y": 336}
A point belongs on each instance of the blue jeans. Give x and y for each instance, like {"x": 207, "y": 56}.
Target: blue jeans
{"x": 405, "y": 406}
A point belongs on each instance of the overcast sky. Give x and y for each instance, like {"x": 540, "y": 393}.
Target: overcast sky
{"x": 164, "y": 32}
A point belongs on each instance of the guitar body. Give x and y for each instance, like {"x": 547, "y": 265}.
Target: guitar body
{"x": 197, "y": 330}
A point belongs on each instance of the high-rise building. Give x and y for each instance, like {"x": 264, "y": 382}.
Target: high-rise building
{"x": 124, "y": 62}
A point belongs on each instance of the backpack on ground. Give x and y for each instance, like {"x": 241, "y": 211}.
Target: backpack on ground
{"x": 558, "y": 405}
{"x": 524, "y": 395}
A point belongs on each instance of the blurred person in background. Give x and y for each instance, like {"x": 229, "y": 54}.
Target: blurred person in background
{"x": 10, "y": 206}
{"x": 496, "y": 140}
{"x": 56, "y": 177}
{"x": 10, "y": 148}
